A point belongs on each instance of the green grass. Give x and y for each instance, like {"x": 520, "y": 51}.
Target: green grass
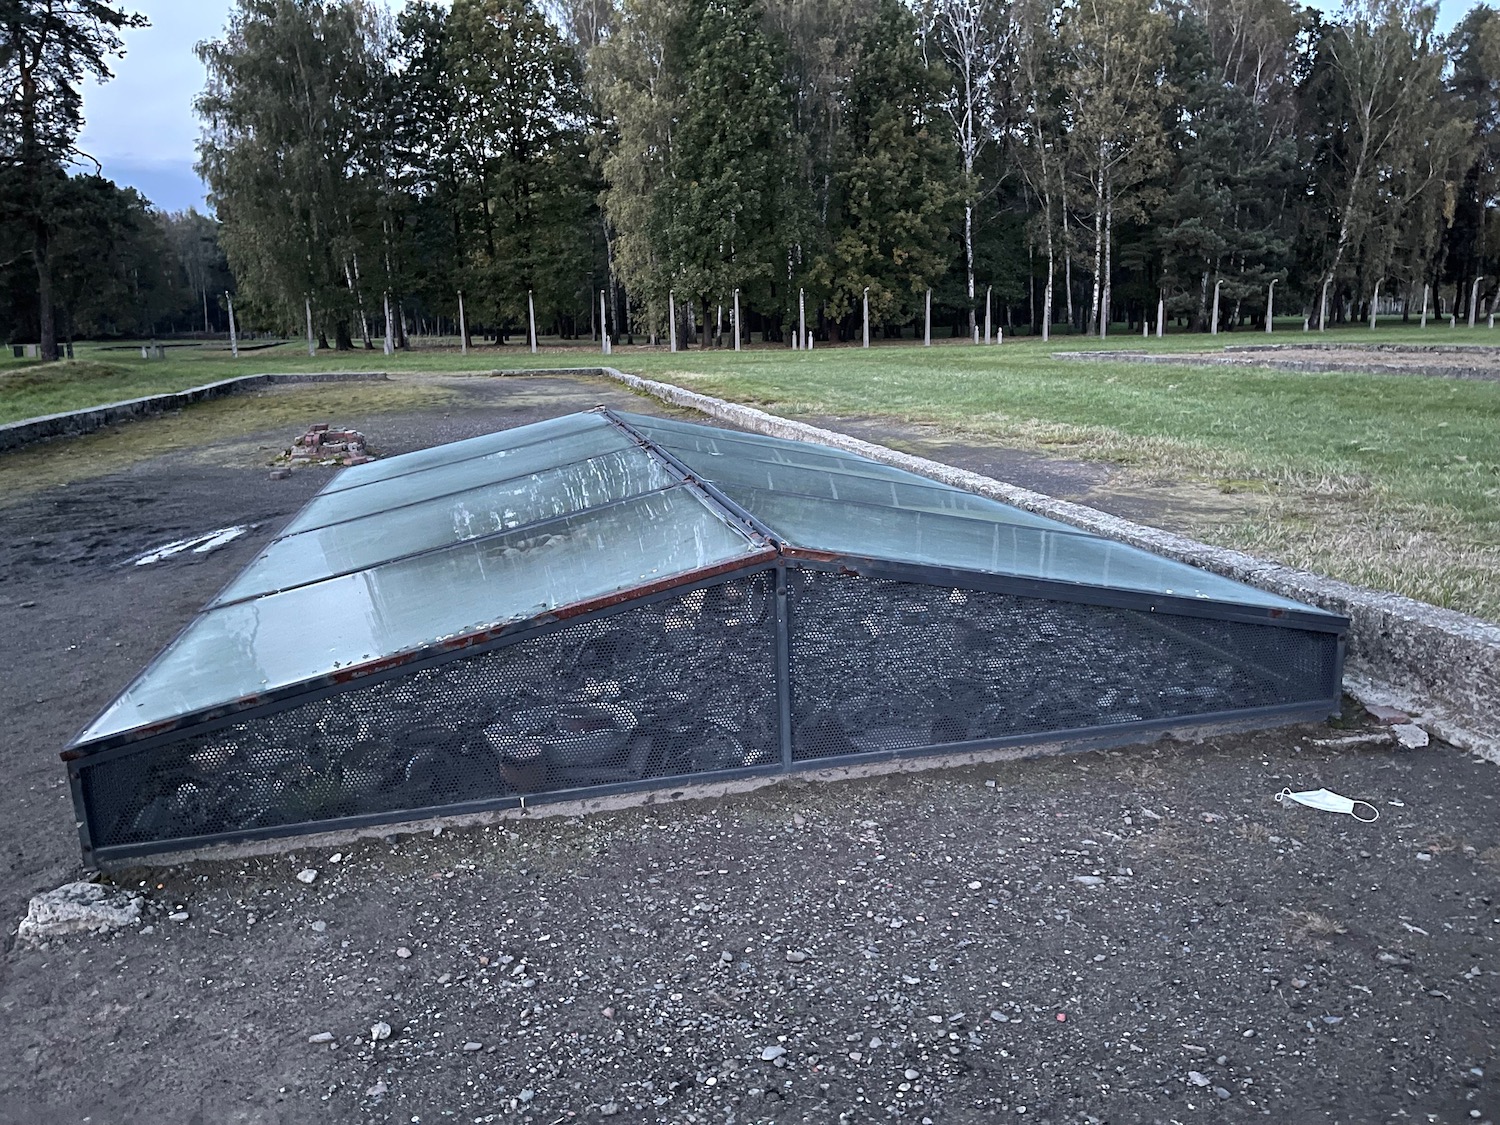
{"x": 1386, "y": 480}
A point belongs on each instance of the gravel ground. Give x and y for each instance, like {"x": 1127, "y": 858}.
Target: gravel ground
{"x": 1132, "y": 935}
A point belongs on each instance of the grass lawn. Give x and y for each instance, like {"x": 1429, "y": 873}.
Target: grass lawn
{"x": 1386, "y": 480}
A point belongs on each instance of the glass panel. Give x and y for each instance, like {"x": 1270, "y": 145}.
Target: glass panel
{"x": 426, "y": 484}
{"x": 719, "y": 443}
{"x": 937, "y": 539}
{"x": 312, "y": 555}
{"x": 828, "y": 484}
{"x": 250, "y": 647}
{"x": 480, "y": 446}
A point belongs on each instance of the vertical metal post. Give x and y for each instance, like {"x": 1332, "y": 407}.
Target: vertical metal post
{"x": 463, "y": 326}
{"x": 311, "y": 347}
{"x": 784, "y": 666}
{"x": 927, "y": 323}
{"x": 604, "y": 326}
{"x": 867, "y": 316}
{"x": 1161, "y": 315}
{"x": 672, "y": 319}
{"x": 234, "y": 340}
{"x": 1270, "y": 305}
{"x": 988, "y": 290}
{"x": 736, "y": 320}
{"x": 531, "y": 319}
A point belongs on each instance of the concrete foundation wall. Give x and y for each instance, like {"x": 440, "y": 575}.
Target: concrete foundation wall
{"x": 14, "y": 435}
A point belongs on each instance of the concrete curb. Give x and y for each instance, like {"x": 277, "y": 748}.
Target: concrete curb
{"x": 1254, "y": 357}
{"x": 1439, "y": 665}
{"x": 14, "y": 435}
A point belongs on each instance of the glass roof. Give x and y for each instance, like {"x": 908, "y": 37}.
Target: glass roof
{"x": 411, "y": 552}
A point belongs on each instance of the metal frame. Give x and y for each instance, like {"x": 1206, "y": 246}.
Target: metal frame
{"x": 775, "y": 555}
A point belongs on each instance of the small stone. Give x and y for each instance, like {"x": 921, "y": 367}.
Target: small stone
{"x": 280, "y": 474}
{"x": 1424, "y": 857}
{"x": 855, "y": 1056}
{"x": 1299, "y": 984}
{"x": 999, "y": 1017}
{"x": 78, "y": 908}
{"x": 911, "y": 1075}
{"x": 1221, "y": 1093}
{"x": 306, "y": 875}
{"x": 1197, "y": 1078}
{"x": 1333, "y": 1021}
{"x": 1222, "y": 1060}
{"x": 609, "y": 1109}
{"x": 445, "y": 978}
{"x": 1088, "y": 880}
{"x": 403, "y": 953}
{"x": 319, "y": 926}
{"x": 336, "y": 857}
{"x": 525, "y": 1096}
{"x": 379, "y": 1031}
{"x": 975, "y": 885}
{"x": 772, "y": 1053}
{"x": 1411, "y": 736}
{"x": 1389, "y": 716}
{"x": 378, "y": 1090}
{"x": 321, "y": 1037}
{"x": 796, "y": 956}
{"x": 1249, "y": 1033}
{"x": 726, "y": 957}
{"x": 178, "y": 916}
{"x": 472, "y": 1046}
{"x": 608, "y": 1013}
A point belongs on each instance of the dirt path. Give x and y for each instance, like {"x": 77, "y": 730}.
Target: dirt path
{"x": 1210, "y": 954}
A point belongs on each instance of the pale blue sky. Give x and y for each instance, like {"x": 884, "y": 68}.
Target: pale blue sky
{"x": 141, "y": 126}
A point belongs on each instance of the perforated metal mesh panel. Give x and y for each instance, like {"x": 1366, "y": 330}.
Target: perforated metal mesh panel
{"x": 879, "y": 665}
{"x": 681, "y": 686}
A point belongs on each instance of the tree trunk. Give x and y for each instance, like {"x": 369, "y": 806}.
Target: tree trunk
{"x": 1098, "y": 247}
{"x": 46, "y": 323}
{"x": 1109, "y": 227}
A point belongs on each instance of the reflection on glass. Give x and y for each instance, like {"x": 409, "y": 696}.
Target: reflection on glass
{"x": 938, "y": 539}
{"x": 442, "y": 480}
{"x": 312, "y": 555}
{"x": 464, "y": 450}
{"x": 250, "y": 647}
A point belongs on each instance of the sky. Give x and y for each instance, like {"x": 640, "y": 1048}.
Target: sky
{"x": 141, "y": 126}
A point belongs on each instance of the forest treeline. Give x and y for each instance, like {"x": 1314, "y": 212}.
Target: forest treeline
{"x": 1097, "y": 163}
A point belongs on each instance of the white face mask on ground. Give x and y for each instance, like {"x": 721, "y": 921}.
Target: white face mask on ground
{"x": 1328, "y": 801}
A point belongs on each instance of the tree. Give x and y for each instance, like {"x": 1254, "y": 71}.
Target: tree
{"x": 1386, "y": 72}
{"x": 1115, "y": 54}
{"x": 47, "y": 49}
{"x": 519, "y": 120}
{"x": 287, "y": 153}
{"x": 722, "y": 211}
{"x": 972, "y": 39}
{"x": 892, "y": 196}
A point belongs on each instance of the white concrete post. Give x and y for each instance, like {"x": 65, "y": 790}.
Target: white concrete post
{"x": 1270, "y": 306}
{"x": 672, "y": 319}
{"x": 531, "y": 320}
{"x": 927, "y": 324}
{"x": 388, "y": 346}
{"x": 463, "y": 326}
{"x": 1373, "y": 302}
{"x": 234, "y": 340}
{"x": 988, "y": 290}
{"x": 736, "y": 320}
{"x": 867, "y": 316}
{"x": 1426, "y": 294}
{"x": 1213, "y": 324}
{"x": 1161, "y": 315}
{"x": 1474, "y": 299}
{"x": 608, "y": 345}
{"x": 802, "y": 318}
{"x": 312, "y": 349}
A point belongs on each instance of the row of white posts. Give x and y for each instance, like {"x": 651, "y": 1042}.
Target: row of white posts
{"x": 802, "y": 339}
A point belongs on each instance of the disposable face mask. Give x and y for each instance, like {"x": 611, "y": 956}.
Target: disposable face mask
{"x": 1328, "y": 801}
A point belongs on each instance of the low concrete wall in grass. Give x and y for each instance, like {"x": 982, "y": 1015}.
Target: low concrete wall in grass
{"x": 14, "y": 435}
{"x": 1440, "y": 666}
